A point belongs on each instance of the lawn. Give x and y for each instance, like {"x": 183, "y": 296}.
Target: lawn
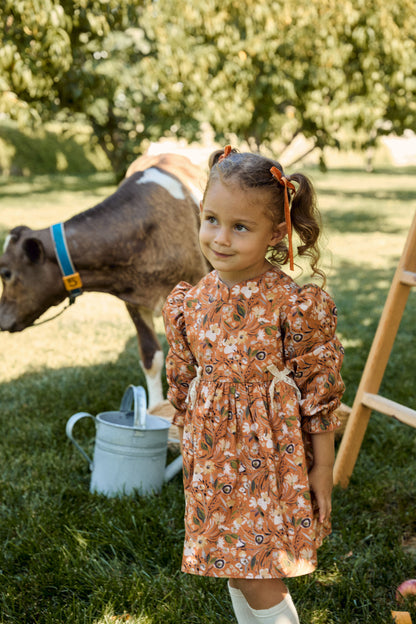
{"x": 72, "y": 557}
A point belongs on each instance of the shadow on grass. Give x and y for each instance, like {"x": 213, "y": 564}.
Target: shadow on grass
{"x": 359, "y": 222}
{"x": 37, "y": 184}
{"x": 394, "y": 194}
{"x": 60, "y": 391}
{"x": 36, "y": 406}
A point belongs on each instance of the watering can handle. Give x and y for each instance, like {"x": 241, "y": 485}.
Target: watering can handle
{"x": 69, "y": 426}
{"x": 135, "y": 395}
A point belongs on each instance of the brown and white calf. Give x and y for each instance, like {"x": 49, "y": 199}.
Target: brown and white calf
{"x": 137, "y": 245}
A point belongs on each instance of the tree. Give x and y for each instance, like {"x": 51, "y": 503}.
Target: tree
{"x": 78, "y": 58}
{"x": 268, "y": 68}
{"x": 264, "y": 70}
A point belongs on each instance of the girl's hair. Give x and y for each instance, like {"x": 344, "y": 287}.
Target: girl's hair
{"x": 251, "y": 171}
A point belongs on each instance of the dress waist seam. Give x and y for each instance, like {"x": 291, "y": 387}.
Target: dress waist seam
{"x": 233, "y": 382}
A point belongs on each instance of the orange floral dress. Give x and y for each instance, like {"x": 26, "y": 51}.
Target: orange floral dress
{"x": 253, "y": 371}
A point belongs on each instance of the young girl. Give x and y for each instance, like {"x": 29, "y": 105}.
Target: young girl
{"x": 254, "y": 374}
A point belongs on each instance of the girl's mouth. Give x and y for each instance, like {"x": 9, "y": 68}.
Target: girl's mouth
{"x": 218, "y": 254}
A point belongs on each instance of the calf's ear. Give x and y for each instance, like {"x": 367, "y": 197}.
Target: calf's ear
{"x": 34, "y": 250}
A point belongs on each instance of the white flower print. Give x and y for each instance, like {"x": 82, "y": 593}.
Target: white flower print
{"x": 320, "y": 313}
{"x": 198, "y": 474}
{"x": 301, "y": 502}
{"x": 291, "y": 479}
{"x": 213, "y": 332}
{"x": 277, "y": 519}
{"x": 188, "y": 551}
{"x": 258, "y": 312}
{"x": 250, "y": 289}
{"x": 230, "y": 345}
{"x": 263, "y": 501}
{"x": 297, "y": 324}
{"x": 218, "y": 517}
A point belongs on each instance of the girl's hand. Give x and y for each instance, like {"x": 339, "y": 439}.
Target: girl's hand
{"x": 321, "y": 483}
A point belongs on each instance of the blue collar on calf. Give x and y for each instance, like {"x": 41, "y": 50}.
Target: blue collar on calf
{"x": 71, "y": 278}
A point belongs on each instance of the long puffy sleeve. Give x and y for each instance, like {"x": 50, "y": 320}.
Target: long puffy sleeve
{"x": 180, "y": 363}
{"x": 314, "y": 354}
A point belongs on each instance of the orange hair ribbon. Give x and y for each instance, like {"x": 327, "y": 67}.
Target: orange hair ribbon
{"x": 227, "y": 152}
{"x": 288, "y": 186}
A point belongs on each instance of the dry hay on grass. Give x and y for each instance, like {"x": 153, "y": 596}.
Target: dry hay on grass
{"x": 165, "y": 410}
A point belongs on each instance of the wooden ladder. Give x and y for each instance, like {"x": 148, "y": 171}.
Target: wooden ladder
{"x": 367, "y": 398}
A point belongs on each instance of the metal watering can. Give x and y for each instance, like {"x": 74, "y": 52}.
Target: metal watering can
{"x": 130, "y": 448}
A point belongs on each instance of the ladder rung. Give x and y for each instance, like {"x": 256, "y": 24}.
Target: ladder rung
{"x": 390, "y": 408}
{"x": 408, "y": 278}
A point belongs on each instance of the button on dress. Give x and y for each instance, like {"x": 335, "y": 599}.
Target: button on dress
{"x": 253, "y": 371}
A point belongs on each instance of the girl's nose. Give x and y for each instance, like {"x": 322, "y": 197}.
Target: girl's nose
{"x": 222, "y": 237}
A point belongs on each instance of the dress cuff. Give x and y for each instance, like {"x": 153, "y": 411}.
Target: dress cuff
{"x": 179, "y": 418}
{"x": 321, "y": 423}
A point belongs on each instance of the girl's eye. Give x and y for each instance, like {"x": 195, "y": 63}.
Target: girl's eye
{"x": 240, "y": 228}
{"x": 211, "y": 220}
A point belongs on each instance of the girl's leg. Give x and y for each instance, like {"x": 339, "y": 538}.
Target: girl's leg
{"x": 267, "y": 602}
{"x": 241, "y": 609}
{"x": 282, "y": 613}
{"x": 261, "y": 593}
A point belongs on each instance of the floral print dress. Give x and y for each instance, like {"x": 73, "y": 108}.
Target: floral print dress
{"x": 253, "y": 371}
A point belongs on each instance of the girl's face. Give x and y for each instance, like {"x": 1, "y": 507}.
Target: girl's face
{"x": 236, "y": 232}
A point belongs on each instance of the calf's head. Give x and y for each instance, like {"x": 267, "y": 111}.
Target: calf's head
{"x": 31, "y": 280}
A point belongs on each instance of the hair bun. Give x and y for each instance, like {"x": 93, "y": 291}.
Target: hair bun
{"x": 214, "y": 157}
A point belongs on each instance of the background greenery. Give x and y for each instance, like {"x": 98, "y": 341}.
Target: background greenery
{"x": 69, "y": 556}
{"x": 265, "y": 70}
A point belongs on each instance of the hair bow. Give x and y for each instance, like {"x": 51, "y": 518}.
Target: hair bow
{"x": 227, "y": 152}
{"x": 288, "y": 186}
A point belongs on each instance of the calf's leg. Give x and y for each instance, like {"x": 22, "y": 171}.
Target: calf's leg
{"x": 150, "y": 351}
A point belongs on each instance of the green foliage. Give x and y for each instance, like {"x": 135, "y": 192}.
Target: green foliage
{"x": 52, "y": 148}
{"x": 270, "y": 70}
{"x": 264, "y": 70}
{"x": 65, "y": 58}
{"x": 70, "y": 556}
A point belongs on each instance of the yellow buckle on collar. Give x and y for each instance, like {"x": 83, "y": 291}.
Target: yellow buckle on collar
{"x": 72, "y": 282}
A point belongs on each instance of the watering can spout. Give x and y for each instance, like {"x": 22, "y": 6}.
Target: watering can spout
{"x": 173, "y": 468}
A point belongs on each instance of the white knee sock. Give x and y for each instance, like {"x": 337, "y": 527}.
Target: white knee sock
{"x": 282, "y": 613}
{"x": 240, "y": 606}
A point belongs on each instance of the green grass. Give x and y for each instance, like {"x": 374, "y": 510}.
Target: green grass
{"x": 68, "y": 556}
